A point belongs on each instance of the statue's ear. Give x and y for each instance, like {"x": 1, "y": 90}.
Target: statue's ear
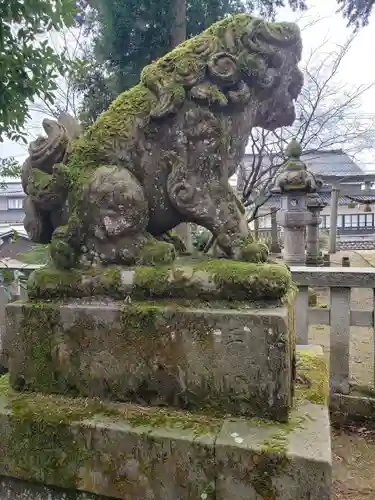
{"x": 71, "y": 125}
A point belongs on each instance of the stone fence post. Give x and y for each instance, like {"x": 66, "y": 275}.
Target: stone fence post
{"x": 313, "y": 254}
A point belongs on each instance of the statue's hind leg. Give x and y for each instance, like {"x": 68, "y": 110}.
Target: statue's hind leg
{"x": 108, "y": 224}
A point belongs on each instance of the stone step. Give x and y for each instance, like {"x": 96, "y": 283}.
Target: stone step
{"x": 130, "y": 452}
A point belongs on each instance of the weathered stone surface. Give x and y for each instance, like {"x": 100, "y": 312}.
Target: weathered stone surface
{"x": 204, "y": 279}
{"x": 14, "y": 489}
{"x": 236, "y": 361}
{"x": 334, "y": 277}
{"x": 258, "y": 459}
{"x": 290, "y": 461}
{"x": 312, "y": 381}
{"x": 132, "y": 452}
{"x": 357, "y": 407}
{"x": 121, "y": 451}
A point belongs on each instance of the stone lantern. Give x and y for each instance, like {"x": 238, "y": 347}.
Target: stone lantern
{"x": 294, "y": 183}
{"x": 315, "y": 205}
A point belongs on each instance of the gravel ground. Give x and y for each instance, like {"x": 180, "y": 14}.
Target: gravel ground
{"x": 353, "y": 464}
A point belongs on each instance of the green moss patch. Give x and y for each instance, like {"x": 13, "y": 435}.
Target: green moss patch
{"x": 216, "y": 280}
{"x": 58, "y": 410}
{"x": 248, "y": 281}
{"x": 49, "y": 282}
{"x": 44, "y": 438}
{"x": 312, "y": 382}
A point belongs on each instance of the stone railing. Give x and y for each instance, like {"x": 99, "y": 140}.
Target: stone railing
{"x": 338, "y": 315}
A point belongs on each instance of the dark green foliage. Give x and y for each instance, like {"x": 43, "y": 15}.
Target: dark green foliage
{"x": 27, "y": 68}
{"x": 357, "y": 12}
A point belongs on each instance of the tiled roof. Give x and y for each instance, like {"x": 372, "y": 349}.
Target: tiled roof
{"x": 335, "y": 163}
{"x": 325, "y": 163}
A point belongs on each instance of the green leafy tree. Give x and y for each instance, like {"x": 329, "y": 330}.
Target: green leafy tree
{"x": 10, "y": 167}
{"x": 28, "y": 64}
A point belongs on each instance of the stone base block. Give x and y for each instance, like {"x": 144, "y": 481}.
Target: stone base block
{"x": 129, "y": 452}
{"x": 14, "y": 489}
{"x": 355, "y": 408}
{"x": 237, "y": 361}
{"x": 275, "y": 461}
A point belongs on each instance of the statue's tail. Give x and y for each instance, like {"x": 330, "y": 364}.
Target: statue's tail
{"x": 45, "y": 203}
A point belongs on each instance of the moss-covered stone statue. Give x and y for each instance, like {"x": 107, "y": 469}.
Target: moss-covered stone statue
{"x": 163, "y": 152}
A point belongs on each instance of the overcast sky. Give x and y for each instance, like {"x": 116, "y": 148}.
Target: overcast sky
{"x": 357, "y": 68}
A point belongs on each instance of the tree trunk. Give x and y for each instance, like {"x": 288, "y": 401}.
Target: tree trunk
{"x": 178, "y": 35}
{"x": 178, "y": 32}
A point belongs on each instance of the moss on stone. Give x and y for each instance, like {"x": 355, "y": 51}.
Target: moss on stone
{"x": 63, "y": 255}
{"x": 272, "y": 460}
{"x": 248, "y": 281}
{"x": 37, "y": 324}
{"x": 312, "y": 378}
{"x": 40, "y": 180}
{"x": 45, "y": 445}
{"x": 156, "y": 252}
{"x": 205, "y": 280}
{"x": 210, "y": 93}
{"x": 151, "y": 281}
{"x": 268, "y": 467}
{"x": 49, "y": 282}
{"x": 141, "y": 319}
{"x": 255, "y": 252}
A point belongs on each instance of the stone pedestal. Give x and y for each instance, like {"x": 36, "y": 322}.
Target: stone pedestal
{"x": 131, "y": 452}
{"x": 183, "y": 383}
{"x": 313, "y": 257}
{"x": 238, "y": 361}
{"x": 294, "y": 251}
